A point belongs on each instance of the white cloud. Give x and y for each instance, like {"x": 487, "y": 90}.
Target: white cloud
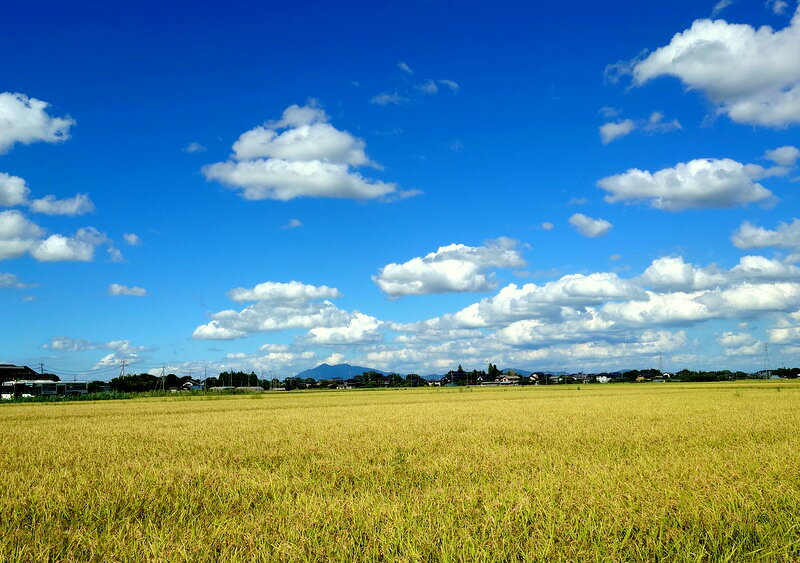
{"x": 786, "y": 235}
{"x": 450, "y": 84}
{"x": 654, "y": 124}
{"x": 752, "y": 75}
{"x": 284, "y": 180}
{"x": 700, "y": 183}
{"x": 279, "y": 292}
{"x": 25, "y": 120}
{"x": 334, "y": 359}
{"x": 120, "y": 350}
{"x": 12, "y": 281}
{"x": 452, "y": 268}
{"x": 590, "y": 227}
{"x": 531, "y": 301}
{"x": 69, "y": 344}
{"x": 388, "y": 98}
{"x": 13, "y": 190}
{"x": 359, "y": 328}
{"x": 673, "y": 274}
{"x": 18, "y": 235}
{"x": 734, "y": 340}
{"x": 116, "y": 359}
{"x": 614, "y": 130}
{"x": 428, "y": 87}
{"x": 608, "y": 112}
{"x": 193, "y": 148}
{"x": 278, "y": 306}
{"x": 720, "y": 6}
{"x": 762, "y": 268}
{"x": 292, "y": 224}
{"x": 784, "y": 156}
{"x": 778, "y": 7}
{"x": 316, "y": 141}
{"x": 132, "y": 239}
{"x": 49, "y": 205}
{"x": 547, "y": 226}
{"x": 676, "y": 308}
{"x": 310, "y": 158}
{"x": 78, "y": 248}
{"x": 404, "y": 67}
{"x": 116, "y": 290}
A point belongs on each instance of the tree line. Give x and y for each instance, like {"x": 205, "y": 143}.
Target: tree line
{"x": 141, "y": 382}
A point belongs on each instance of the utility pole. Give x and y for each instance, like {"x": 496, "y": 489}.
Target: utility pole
{"x": 122, "y": 368}
{"x": 766, "y": 360}
{"x": 41, "y": 368}
{"x": 661, "y": 364}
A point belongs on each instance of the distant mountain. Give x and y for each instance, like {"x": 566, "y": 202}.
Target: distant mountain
{"x": 343, "y": 371}
{"x": 518, "y": 371}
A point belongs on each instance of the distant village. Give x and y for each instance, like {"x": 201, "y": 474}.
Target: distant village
{"x": 23, "y": 382}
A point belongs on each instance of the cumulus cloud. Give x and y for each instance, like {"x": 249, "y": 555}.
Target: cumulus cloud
{"x": 719, "y": 7}
{"x": 25, "y": 120}
{"x": 428, "y": 87}
{"x": 360, "y": 328}
{"x": 700, "y": 183}
{"x": 69, "y": 344}
{"x": 132, "y": 239}
{"x": 671, "y": 273}
{"x": 119, "y": 350}
{"x": 49, "y": 205}
{"x": 292, "y": 291}
{"x": 284, "y": 180}
{"x": 548, "y": 302}
{"x": 452, "y": 268}
{"x": 292, "y": 224}
{"x": 654, "y": 124}
{"x": 299, "y": 155}
{"x": 785, "y": 235}
{"x": 616, "y": 129}
{"x": 116, "y": 290}
{"x": 18, "y": 235}
{"x": 404, "y": 67}
{"x": 783, "y": 156}
{"x": 547, "y": 226}
{"x": 13, "y": 190}
{"x": 193, "y": 148}
{"x": 388, "y": 98}
{"x": 450, "y": 84}
{"x": 334, "y": 359}
{"x": 589, "y": 227}
{"x": 763, "y": 268}
{"x": 752, "y": 75}
{"x": 608, "y": 112}
{"x": 12, "y": 281}
{"x": 778, "y": 7}
{"x": 77, "y": 248}
{"x": 278, "y": 306}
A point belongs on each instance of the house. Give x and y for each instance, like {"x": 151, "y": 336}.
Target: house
{"x": 41, "y": 388}
{"x": 10, "y": 372}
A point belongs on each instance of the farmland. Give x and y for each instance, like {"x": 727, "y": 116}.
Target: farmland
{"x": 619, "y": 472}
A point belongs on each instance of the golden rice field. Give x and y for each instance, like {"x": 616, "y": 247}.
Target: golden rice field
{"x": 705, "y": 472}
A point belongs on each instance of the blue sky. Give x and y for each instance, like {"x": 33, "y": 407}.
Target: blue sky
{"x": 410, "y": 188}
